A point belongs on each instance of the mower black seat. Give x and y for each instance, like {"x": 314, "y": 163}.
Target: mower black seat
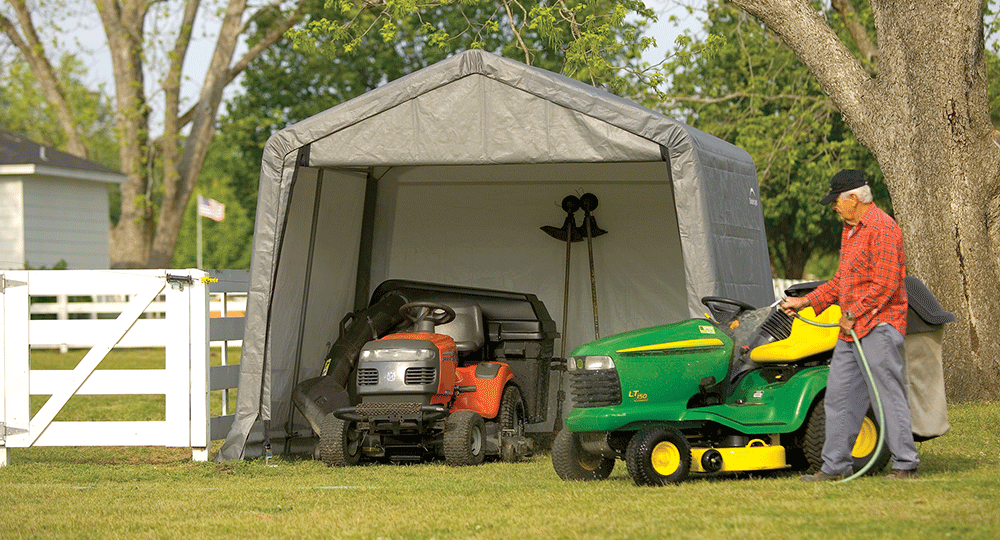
{"x": 467, "y": 329}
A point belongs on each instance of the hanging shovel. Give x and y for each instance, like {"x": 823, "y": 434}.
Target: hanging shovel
{"x": 589, "y": 202}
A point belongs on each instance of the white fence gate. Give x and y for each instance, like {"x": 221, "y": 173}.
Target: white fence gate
{"x": 185, "y": 332}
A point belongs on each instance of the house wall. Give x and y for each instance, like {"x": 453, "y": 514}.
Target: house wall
{"x": 11, "y": 224}
{"x": 66, "y": 219}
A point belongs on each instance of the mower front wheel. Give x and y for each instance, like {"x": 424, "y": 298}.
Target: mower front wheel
{"x": 339, "y": 442}
{"x": 572, "y": 462}
{"x": 657, "y": 456}
{"x": 464, "y": 439}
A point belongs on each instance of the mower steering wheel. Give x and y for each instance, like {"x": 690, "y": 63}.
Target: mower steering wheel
{"x": 425, "y": 310}
{"x": 714, "y": 303}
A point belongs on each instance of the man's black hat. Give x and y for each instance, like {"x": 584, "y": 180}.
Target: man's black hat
{"x": 845, "y": 180}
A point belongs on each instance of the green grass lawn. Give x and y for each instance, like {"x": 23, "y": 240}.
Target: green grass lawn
{"x": 160, "y": 493}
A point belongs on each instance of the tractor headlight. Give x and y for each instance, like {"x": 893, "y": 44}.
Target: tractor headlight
{"x": 590, "y": 362}
{"x": 404, "y": 354}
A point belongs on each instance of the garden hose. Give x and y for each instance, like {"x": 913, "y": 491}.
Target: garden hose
{"x": 878, "y": 400}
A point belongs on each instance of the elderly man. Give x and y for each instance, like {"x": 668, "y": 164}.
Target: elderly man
{"x": 868, "y": 286}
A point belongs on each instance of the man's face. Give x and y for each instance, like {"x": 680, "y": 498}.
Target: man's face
{"x": 846, "y": 208}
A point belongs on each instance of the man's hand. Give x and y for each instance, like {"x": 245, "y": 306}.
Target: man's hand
{"x": 793, "y": 305}
{"x": 846, "y": 325}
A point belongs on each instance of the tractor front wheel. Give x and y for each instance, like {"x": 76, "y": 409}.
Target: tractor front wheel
{"x": 658, "y": 455}
{"x": 464, "y": 439}
{"x": 339, "y": 442}
{"x": 572, "y": 462}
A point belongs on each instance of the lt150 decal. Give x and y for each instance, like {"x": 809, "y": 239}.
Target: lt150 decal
{"x": 637, "y": 396}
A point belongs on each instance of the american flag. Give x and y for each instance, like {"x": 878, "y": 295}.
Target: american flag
{"x": 211, "y": 209}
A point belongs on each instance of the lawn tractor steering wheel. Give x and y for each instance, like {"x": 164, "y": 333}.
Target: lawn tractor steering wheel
{"x": 425, "y": 315}
{"x": 725, "y": 310}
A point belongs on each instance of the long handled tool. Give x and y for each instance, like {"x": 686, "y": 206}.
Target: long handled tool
{"x": 589, "y": 202}
{"x": 568, "y": 233}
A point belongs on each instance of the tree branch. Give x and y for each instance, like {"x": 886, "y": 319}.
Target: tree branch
{"x": 34, "y": 53}
{"x": 822, "y": 100}
{"x": 241, "y": 65}
{"x": 517, "y": 33}
{"x": 270, "y": 39}
{"x": 839, "y": 73}
{"x": 857, "y": 30}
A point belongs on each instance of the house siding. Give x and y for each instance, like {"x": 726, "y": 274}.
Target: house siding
{"x": 66, "y": 219}
{"x": 11, "y": 224}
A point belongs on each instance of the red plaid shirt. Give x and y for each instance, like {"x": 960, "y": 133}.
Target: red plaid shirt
{"x": 869, "y": 280}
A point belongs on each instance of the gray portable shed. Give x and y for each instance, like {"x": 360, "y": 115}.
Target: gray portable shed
{"x": 446, "y": 175}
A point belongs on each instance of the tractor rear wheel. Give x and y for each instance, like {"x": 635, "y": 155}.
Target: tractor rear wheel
{"x": 864, "y": 447}
{"x": 464, "y": 439}
{"x": 658, "y": 455}
{"x": 339, "y": 442}
{"x": 572, "y": 462}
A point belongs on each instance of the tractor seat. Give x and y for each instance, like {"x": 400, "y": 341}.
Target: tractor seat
{"x": 804, "y": 341}
{"x": 466, "y": 329}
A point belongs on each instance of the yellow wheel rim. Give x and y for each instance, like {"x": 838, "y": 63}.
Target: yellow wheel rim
{"x": 666, "y": 458}
{"x": 590, "y": 462}
{"x": 867, "y": 439}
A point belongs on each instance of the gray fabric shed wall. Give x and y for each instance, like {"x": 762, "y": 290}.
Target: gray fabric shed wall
{"x": 469, "y": 131}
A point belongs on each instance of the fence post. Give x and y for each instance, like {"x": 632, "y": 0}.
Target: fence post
{"x": 14, "y": 412}
{"x": 200, "y": 396}
{"x": 62, "y": 303}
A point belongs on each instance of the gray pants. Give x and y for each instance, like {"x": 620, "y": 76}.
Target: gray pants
{"x": 848, "y": 397}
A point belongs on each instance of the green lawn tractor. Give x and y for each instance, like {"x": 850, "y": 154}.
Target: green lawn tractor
{"x": 741, "y": 390}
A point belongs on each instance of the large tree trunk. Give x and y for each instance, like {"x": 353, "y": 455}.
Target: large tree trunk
{"x": 123, "y": 25}
{"x": 925, "y": 117}
{"x": 183, "y": 172}
{"x": 942, "y": 172}
{"x": 144, "y": 238}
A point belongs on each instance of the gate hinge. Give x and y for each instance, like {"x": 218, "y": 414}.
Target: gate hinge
{"x": 5, "y": 283}
{"x": 4, "y": 431}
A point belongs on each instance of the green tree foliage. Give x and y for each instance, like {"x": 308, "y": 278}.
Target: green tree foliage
{"x": 597, "y": 41}
{"x": 225, "y": 244}
{"x": 25, "y": 111}
{"x": 290, "y": 82}
{"x": 749, "y": 89}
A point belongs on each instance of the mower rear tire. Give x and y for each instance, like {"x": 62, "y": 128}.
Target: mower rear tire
{"x": 572, "y": 462}
{"x": 511, "y": 413}
{"x": 864, "y": 447}
{"x": 339, "y": 442}
{"x": 657, "y": 456}
{"x": 464, "y": 439}
{"x": 511, "y": 418}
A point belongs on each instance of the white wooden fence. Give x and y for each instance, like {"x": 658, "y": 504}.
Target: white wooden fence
{"x": 183, "y": 329}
